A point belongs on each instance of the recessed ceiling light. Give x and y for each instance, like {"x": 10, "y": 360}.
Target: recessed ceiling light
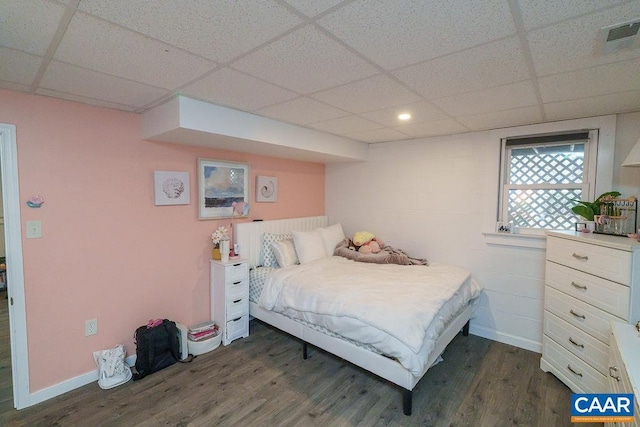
{"x": 404, "y": 116}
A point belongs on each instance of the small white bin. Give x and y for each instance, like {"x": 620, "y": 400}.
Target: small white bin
{"x": 200, "y": 347}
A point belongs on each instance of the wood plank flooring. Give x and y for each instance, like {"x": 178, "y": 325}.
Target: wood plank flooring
{"x": 262, "y": 380}
{"x": 6, "y": 384}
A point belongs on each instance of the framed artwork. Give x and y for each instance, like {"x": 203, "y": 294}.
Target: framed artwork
{"x": 220, "y": 184}
{"x": 171, "y": 188}
{"x": 266, "y": 189}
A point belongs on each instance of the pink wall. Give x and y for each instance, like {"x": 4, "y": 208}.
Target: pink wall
{"x": 107, "y": 252}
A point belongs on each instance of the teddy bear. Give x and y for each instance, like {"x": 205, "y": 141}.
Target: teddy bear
{"x": 366, "y": 242}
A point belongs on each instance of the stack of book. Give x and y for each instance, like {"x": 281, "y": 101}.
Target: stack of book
{"x": 203, "y": 331}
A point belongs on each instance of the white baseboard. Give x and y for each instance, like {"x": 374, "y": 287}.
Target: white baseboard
{"x": 70, "y": 384}
{"x": 505, "y": 338}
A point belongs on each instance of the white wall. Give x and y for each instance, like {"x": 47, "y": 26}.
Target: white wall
{"x": 435, "y": 197}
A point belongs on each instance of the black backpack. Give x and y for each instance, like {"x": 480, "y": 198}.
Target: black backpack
{"x": 156, "y": 348}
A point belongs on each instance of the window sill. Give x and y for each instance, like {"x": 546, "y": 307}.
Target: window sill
{"x": 535, "y": 241}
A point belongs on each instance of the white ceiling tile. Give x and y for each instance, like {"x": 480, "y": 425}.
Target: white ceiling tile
{"x": 305, "y": 61}
{"x": 373, "y": 93}
{"x": 501, "y": 119}
{"x": 378, "y": 135}
{"x": 595, "y": 106}
{"x": 18, "y": 67}
{"x": 571, "y": 45}
{"x": 302, "y": 111}
{"x": 506, "y": 97}
{"x": 343, "y": 125}
{"x": 591, "y": 81}
{"x": 438, "y": 127}
{"x": 312, "y": 8}
{"x": 420, "y": 112}
{"x": 218, "y": 30}
{"x": 398, "y": 33}
{"x": 84, "y": 100}
{"x": 77, "y": 81}
{"x": 29, "y": 25}
{"x": 104, "y": 47}
{"x": 489, "y": 65}
{"x": 234, "y": 89}
{"x": 536, "y": 13}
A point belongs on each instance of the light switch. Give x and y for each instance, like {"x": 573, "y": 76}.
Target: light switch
{"x": 34, "y": 229}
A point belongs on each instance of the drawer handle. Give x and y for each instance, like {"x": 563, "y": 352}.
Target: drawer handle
{"x": 240, "y": 281}
{"x": 581, "y": 316}
{"x": 613, "y": 368}
{"x": 575, "y": 285}
{"x": 235, "y": 320}
{"x": 237, "y": 301}
{"x": 575, "y": 343}
{"x": 573, "y": 371}
{"x": 237, "y": 265}
{"x": 580, "y": 257}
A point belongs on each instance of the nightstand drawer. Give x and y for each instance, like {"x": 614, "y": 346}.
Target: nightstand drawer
{"x": 578, "y": 375}
{"x": 236, "y": 328}
{"x": 605, "y": 294}
{"x": 609, "y": 263}
{"x": 235, "y": 272}
{"x": 237, "y": 308}
{"x": 235, "y": 290}
{"x": 584, "y": 316}
{"x": 578, "y": 342}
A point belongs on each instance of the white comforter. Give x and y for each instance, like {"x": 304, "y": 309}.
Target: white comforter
{"x": 387, "y": 306}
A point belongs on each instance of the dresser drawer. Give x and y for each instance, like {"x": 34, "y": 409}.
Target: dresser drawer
{"x": 578, "y": 342}
{"x": 609, "y": 263}
{"x": 235, "y": 272}
{"x": 584, "y": 316}
{"x": 578, "y": 375}
{"x": 618, "y": 378}
{"x": 610, "y": 296}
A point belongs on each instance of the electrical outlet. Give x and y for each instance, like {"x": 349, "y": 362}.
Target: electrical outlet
{"x": 90, "y": 327}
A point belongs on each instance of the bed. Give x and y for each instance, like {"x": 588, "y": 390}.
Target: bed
{"x": 393, "y": 362}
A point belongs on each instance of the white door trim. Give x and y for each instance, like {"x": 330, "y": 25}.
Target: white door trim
{"x": 15, "y": 271}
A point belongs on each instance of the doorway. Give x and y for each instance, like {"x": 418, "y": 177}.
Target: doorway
{"x": 15, "y": 272}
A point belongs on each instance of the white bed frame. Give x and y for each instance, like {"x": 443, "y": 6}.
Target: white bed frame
{"x": 248, "y": 236}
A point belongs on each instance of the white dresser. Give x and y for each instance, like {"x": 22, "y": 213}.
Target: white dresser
{"x": 624, "y": 365}
{"x": 230, "y": 298}
{"x": 591, "y": 280}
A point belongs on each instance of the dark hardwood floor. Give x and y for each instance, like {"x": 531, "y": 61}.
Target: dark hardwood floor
{"x": 262, "y": 380}
{"x": 6, "y": 384}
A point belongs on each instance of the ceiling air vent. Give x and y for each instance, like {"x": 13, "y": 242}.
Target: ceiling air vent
{"x": 620, "y": 37}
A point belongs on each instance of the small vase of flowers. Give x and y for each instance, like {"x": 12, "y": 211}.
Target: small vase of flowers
{"x": 217, "y": 237}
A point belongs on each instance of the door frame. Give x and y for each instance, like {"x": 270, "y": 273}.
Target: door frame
{"x": 15, "y": 266}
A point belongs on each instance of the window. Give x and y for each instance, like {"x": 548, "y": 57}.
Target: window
{"x": 542, "y": 175}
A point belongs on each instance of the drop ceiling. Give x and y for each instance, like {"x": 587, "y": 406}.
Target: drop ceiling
{"x": 346, "y": 68}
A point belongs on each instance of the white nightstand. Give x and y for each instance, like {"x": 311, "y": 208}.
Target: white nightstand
{"x": 230, "y": 298}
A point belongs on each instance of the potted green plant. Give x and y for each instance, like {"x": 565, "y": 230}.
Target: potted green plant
{"x": 587, "y": 210}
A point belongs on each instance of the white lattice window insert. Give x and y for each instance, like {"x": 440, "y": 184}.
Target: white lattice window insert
{"x": 541, "y": 178}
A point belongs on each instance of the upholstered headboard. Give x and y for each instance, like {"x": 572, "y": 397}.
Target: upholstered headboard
{"x": 248, "y": 235}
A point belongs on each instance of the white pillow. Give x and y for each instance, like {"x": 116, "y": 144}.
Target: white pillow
{"x": 331, "y": 235}
{"x": 309, "y": 246}
{"x": 285, "y": 253}
{"x": 268, "y": 257}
